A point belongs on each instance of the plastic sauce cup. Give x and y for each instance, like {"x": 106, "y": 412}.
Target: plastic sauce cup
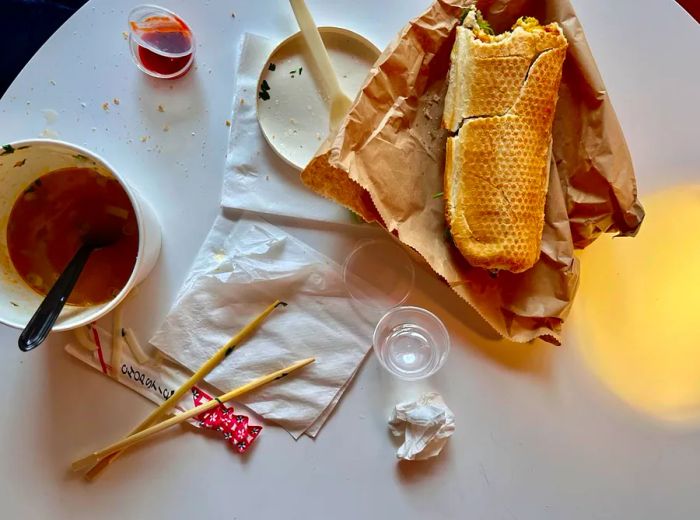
{"x": 162, "y": 44}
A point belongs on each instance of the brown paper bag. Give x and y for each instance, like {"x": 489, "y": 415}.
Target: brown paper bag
{"x": 386, "y": 163}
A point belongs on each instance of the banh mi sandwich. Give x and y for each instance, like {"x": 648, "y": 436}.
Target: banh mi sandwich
{"x": 500, "y": 103}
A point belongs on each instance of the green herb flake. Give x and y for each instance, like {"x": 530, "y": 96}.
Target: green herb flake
{"x": 7, "y": 148}
{"x": 264, "y": 85}
{"x": 80, "y": 157}
{"x": 463, "y": 15}
{"x": 438, "y": 194}
{"x": 271, "y": 66}
{"x": 357, "y": 219}
{"x": 300, "y": 69}
{"x": 14, "y": 304}
{"x": 263, "y": 95}
{"x": 484, "y": 26}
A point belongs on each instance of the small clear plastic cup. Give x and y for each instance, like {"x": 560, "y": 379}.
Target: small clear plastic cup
{"x": 411, "y": 343}
{"x": 162, "y": 44}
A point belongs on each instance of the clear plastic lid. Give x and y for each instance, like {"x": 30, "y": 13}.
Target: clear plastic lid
{"x": 378, "y": 274}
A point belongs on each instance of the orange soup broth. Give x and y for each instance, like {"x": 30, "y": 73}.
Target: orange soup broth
{"x": 48, "y": 224}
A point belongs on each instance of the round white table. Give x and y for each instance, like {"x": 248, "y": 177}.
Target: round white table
{"x": 537, "y": 435}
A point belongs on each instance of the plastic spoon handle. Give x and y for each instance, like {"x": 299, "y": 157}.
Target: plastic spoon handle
{"x": 46, "y": 315}
{"x": 339, "y": 102}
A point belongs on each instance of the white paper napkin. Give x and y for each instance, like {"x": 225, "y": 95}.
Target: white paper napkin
{"x": 426, "y": 424}
{"x": 241, "y": 268}
{"x": 256, "y": 179}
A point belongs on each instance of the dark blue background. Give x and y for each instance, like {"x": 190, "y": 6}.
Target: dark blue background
{"x": 29, "y": 23}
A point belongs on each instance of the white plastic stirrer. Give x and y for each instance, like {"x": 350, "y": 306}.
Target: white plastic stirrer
{"x": 338, "y": 101}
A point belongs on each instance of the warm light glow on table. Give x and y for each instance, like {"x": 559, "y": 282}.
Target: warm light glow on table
{"x": 637, "y": 314}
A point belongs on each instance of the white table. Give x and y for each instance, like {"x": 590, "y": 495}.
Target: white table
{"x": 538, "y": 436}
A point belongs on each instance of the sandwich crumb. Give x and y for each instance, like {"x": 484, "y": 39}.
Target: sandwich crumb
{"x": 228, "y": 122}
{"x": 105, "y": 106}
{"x": 115, "y": 101}
{"x": 160, "y": 108}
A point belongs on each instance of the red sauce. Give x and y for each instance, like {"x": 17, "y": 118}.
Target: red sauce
{"x": 169, "y": 34}
{"x": 48, "y": 223}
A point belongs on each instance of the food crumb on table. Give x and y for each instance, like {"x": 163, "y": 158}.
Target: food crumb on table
{"x": 52, "y": 82}
{"x": 145, "y": 138}
{"x": 105, "y": 106}
{"x": 228, "y": 122}
{"x": 116, "y": 101}
{"x": 160, "y": 108}
{"x": 166, "y": 128}
{"x": 125, "y": 35}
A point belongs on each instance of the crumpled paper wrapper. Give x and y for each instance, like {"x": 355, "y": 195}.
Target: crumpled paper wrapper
{"x": 425, "y": 425}
{"x": 386, "y": 161}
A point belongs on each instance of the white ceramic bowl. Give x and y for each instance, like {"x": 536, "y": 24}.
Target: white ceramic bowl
{"x": 30, "y": 160}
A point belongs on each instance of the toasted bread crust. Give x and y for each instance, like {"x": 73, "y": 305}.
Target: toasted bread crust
{"x": 496, "y": 169}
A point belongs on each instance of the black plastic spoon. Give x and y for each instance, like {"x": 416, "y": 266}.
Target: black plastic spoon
{"x": 46, "y": 315}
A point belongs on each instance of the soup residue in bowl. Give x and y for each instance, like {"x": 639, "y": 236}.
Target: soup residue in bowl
{"x": 49, "y": 222}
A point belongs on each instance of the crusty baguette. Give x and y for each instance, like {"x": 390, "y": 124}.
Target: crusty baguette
{"x": 500, "y": 101}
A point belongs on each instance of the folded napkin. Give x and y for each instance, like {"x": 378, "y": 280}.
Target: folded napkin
{"x": 241, "y": 268}
{"x": 256, "y": 179}
{"x": 425, "y": 423}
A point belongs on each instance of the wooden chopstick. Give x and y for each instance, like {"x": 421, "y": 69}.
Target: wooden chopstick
{"x": 200, "y": 374}
{"x": 144, "y": 434}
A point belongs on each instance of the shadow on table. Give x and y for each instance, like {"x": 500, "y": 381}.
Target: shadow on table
{"x": 414, "y": 471}
{"x": 532, "y": 358}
